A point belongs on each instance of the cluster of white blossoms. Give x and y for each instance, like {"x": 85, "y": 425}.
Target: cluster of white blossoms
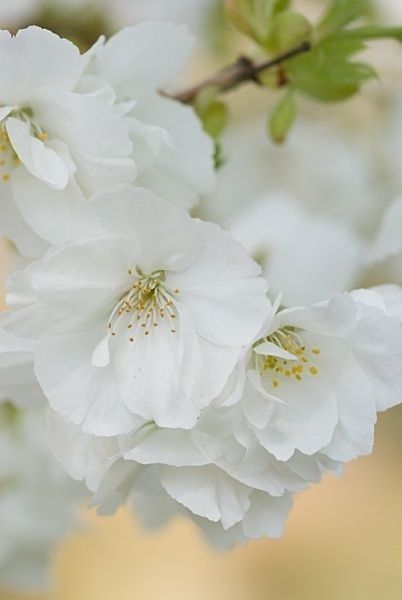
{"x": 171, "y": 378}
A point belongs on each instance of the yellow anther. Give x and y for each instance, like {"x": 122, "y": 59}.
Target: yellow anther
{"x": 275, "y": 383}
{"x": 316, "y": 351}
{"x": 313, "y": 370}
{"x": 6, "y": 177}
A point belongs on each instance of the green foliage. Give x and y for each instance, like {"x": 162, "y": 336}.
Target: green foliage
{"x": 341, "y": 13}
{"x": 283, "y": 117}
{"x": 254, "y": 17}
{"x": 288, "y": 29}
{"x": 329, "y": 72}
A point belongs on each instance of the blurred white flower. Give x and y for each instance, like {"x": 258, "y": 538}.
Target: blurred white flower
{"x": 173, "y": 154}
{"x": 388, "y": 241}
{"x": 38, "y": 501}
{"x": 17, "y": 13}
{"x": 194, "y": 13}
{"x": 145, "y": 314}
{"x": 17, "y": 379}
{"x": 305, "y": 257}
{"x": 324, "y": 167}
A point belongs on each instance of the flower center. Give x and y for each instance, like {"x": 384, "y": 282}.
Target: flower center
{"x": 8, "y": 157}
{"x": 144, "y": 306}
{"x": 277, "y": 369}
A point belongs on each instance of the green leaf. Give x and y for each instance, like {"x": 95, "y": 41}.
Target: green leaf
{"x": 282, "y": 118}
{"x": 288, "y": 29}
{"x": 254, "y": 17}
{"x": 327, "y": 73}
{"x": 340, "y": 14}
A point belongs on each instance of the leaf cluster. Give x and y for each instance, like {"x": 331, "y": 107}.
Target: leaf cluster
{"x": 330, "y": 71}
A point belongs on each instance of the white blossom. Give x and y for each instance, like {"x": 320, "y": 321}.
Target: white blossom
{"x": 60, "y": 141}
{"x": 79, "y": 124}
{"x": 318, "y": 376}
{"x": 213, "y": 474}
{"x": 144, "y": 314}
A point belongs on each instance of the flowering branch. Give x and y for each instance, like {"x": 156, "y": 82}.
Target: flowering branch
{"x": 244, "y": 69}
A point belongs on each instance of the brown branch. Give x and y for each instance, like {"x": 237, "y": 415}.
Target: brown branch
{"x": 244, "y": 69}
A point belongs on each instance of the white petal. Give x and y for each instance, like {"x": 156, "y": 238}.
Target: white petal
{"x": 49, "y": 213}
{"x": 160, "y": 375}
{"x": 81, "y": 394}
{"x": 271, "y": 349}
{"x": 190, "y": 162}
{"x": 116, "y": 487}
{"x": 34, "y": 59}
{"x": 84, "y": 457}
{"x": 15, "y": 227}
{"x": 306, "y": 422}
{"x": 97, "y": 137}
{"x": 80, "y": 282}
{"x": 39, "y": 160}
{"x": 266, "y": 515}
{"x": 166, "y": 446}
{"x": 144, "y": 57}
{"x": 169, "y": 239}
{"x": 223, "y": 291}
{"x": 207, "y": 492}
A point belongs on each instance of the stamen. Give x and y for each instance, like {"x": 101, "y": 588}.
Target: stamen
{"x": 290, "y": 340}
{"x": 148, "y": 301}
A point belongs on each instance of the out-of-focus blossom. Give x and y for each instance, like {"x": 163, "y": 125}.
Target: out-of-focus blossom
{"x": 38, "y": 501}
{"x": 18, "y": 13}
{"x": 335, "y": 177}
{"x": 305, "y": 257}
{"x": 17, "y": 381}
{"x": 173, "y": 154}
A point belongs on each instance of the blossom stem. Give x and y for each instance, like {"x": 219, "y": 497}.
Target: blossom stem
{"x": 237, "y": 73}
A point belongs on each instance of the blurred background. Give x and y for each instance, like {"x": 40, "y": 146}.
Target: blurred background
{"x": 343, "y": 540}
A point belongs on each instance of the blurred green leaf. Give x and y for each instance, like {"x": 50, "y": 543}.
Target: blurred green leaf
{"x": 282, "y": 118}
{"x": 340, "y": 14}
{"x": 254, "y": 17}
{"x": 288, "y": 29}
{"x": 327, "y": 73}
